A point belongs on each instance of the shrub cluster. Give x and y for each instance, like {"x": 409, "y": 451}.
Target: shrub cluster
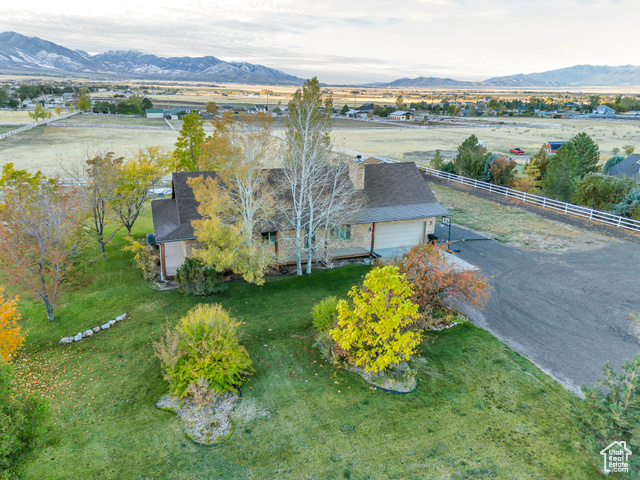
{"x": 25, "y": 425}
{"x": 194, "y": 278}
{"x": 204, "y": 345}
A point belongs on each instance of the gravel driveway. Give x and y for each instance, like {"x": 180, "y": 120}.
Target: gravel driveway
{"x": 564, "y": 311}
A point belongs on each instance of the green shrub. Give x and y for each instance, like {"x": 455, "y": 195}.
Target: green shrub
{"x": 611, "y": 409}
{"x": 629, "y": 206}
{"x": 601, "y": 191}
{"x": 194, "y": 278}
{"x": 24, "y": 425}
{"x": 204, "y": 345}
{"x": 325, "y": 313}
{"x": 612, "y": 162}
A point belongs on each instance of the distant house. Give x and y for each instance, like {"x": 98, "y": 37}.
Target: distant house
{"x": 261, "y": 108}
{"x": 154, "y": 112}
{"x": 399, "y": 211}
{"x": 552, "y": 147}
{"x": 356, "y": 114}
{"x": 603, "y": 110}
{"x": 366, "y": 107}
{"x": 629, "y": 167}
{"x": 401, "y": 115}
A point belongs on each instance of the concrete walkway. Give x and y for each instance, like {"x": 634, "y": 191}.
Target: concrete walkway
{"x": 565, "y": 312}
{"x": 389, "y": 253}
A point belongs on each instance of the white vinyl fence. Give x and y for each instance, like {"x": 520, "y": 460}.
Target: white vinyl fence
{"x": 544, "y": 202}
{"x": 34, "y": 125}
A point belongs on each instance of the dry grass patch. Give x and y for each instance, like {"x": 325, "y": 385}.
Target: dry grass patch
{"x": 515, "y": 227}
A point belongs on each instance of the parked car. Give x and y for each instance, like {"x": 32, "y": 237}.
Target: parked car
{"x": 517, "y": 151}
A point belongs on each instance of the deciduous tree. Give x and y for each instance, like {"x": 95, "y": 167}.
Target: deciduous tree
{"x": 562, "y": 173}
{"x": 11, "y": 336}
{"x": 189, "y": 144}
{"x": 40, "y": 113}
{"x": 238, "y": 202}
{"x": 374, "y": 332}
{"x": 138, "y": 176}
{"x": 502, "y": 171}
{"x": 98, "y": 178}
{"x": 41, "y": 235}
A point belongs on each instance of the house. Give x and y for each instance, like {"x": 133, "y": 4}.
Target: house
{"x": 552, "y": 147}
{"x": 603, "y": 110}
{"x": 154, "y": 112}
{"x": 629, "y": 167}
{"x": 399, "y": 211}
{"x": 356, "y": 114}
{"x": 261, "y": 108}
{"x": 401, "y": 115}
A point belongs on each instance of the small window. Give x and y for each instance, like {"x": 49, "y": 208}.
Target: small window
{"x": 269, "y": 237}
{"x": 343, "y": 232}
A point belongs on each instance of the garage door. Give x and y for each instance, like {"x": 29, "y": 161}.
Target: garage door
{"x": 390, "y": 235}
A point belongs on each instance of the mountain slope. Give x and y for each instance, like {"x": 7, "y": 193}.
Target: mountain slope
{"x": 32, "y": 54}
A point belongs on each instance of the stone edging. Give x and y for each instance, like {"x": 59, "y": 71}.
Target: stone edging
{"x": 89, "y": 332}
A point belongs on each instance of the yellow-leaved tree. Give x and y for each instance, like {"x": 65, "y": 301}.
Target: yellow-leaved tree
{"x": 11, "y": 337}
{"x": 235, "y": 203}
{"x": 376, "y": 332}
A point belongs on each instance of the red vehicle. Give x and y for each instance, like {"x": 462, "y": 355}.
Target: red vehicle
{"x": 517, "y": 151}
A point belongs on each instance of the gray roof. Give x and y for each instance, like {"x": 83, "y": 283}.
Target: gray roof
{"x": 392, "y": 192}
{"x": 629, "y": 167}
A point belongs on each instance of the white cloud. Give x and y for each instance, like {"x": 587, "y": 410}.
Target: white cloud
{"x": 353, "y": 40}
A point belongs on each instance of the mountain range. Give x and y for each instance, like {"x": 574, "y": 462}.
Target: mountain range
{"x": 21, "y": 54}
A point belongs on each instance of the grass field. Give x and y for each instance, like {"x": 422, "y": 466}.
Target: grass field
{"x": 480, "y": 410}
{"x": 116, "y": 120}
{"x": 8, "y": 128}
{"x": 514, "y": 226}
{"x": 42, "y": 148}
{"x": 419, "y": 145}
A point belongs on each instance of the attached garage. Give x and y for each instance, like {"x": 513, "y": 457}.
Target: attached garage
{"x": 401, "y": 234}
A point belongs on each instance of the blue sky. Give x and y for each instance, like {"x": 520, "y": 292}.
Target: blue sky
{"x": 350, "y": 41}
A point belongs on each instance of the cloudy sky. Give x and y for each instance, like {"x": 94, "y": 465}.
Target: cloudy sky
{"x": 350, "y": 40}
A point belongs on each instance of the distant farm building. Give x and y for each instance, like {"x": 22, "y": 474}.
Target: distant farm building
{"x": 552, "y": 147}
{"x": 154, "y": 112}
{"x": 401, "y": 115}
{"x": 604, "y": 110}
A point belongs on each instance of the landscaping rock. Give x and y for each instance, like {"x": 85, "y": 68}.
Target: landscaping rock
{"x": 119, "y": 318}
{"x": 111, "y": 322}
{"x": 105, "y": 326}
{"x": 87, "y": 333}
{"x": 77, "y": 338}
{"x": 66, "y": 340}
{"x": 96, "y": 329}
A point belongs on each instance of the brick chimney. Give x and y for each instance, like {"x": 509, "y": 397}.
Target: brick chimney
{"x": 356, "y": 172}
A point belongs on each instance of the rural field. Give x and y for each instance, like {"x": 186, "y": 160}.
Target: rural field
{"x": 42, "y": 148}
{"x": 419, "y": 145}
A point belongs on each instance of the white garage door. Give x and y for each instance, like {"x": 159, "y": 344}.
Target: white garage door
{"x": 173, "y": 257}
{"x": 391, "y": 235}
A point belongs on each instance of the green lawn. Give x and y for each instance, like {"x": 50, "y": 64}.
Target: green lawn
{"x": 8, "y": 128}
{"x": 480, "y": 410}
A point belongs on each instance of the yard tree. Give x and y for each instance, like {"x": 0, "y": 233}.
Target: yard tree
{"x": 41, "y": 236}
{"x": 98, "y": 179}
{"x": 189, "y": 144}
{"x": 602, "y": 192}
{"x": 588, "y": 154}
{"x": 11, "y": 336}
{"x": 345, "y": 109}
{"x": 40, "y": 114}
{"x": 562, "y": 174}
{"x": 84, "y": 101}
{"x": 471, "y": 158}
{"x": 628, "y": 149}
{"x": 236, "y": 203}
{"x": 436, "y": 279}
{"x": 536, "y": 167}
{"x": 58, "y": 111}
{"x": 318, "y": 196}
{"x": 212, "y": 107}
{"x": 138, "y": 175}
{"x": 218, "y": 147}
{"x": 502, "y": 171}
{"x": 146, "y": 104}
{"x": 375, "y": 333}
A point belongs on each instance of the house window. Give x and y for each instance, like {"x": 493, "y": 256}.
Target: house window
{"x": 343, "y": 232}
{"x": 269, "y": 237}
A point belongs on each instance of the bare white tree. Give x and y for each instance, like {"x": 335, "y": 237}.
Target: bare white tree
{"x": 318, "y": 191}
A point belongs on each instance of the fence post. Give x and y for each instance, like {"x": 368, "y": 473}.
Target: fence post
{"x": 524, "y": 197}
{"x": 590, "y": 213}
{"x": 506, "y": 192}
{"x": 544, "y": 202}
{"x": 566, "y": 206}
{"x": 490, "y": 185}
